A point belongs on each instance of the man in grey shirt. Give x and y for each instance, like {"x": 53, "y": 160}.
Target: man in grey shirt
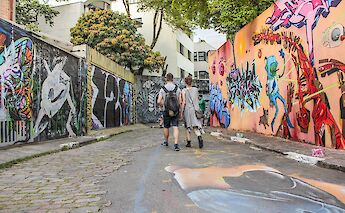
{"x": 169, "y": 120}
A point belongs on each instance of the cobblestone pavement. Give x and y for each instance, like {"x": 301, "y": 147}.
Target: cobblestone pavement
{"x": 68, "y": 181}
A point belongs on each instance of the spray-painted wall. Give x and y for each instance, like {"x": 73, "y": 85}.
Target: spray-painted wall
{"x": 42, "y": 89}
{"x": 111, "y": 100}
{"x": 284, "y": 74}
{"x": 48, "y": 93}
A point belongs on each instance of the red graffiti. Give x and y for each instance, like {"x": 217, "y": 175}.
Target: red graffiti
{"x": 308, "y": 86}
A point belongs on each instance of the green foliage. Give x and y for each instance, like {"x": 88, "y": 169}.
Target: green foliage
{"x": 229, "y": 16}
{"x": 226, "y": 16}
{"x": 115, "y": 35}
{"x": 172, "y": 13}
{"x": 28, "y": 11}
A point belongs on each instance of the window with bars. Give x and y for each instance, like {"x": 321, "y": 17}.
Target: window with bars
{"x": 202, "y": 56}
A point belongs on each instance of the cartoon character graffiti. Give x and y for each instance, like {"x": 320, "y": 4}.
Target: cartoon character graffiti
{"x": 333, "y": 36}
{"x": 218, "y": 106}
{"x": 309, "y": 89}
{"x": 301, "y": 13}
{"x": 16, "y": 62}
{"x": 272, "y": 88}
{"x": 329, "y": 67}
{"x": 244, "y": 88}
{"x": 56, "y": 90}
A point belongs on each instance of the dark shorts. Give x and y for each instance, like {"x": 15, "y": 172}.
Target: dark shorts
{"x": 170, "y": 121}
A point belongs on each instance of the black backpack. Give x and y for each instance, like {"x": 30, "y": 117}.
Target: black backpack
{"x": 171, "y": 102}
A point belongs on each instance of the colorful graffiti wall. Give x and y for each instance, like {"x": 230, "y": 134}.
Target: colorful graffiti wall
{"x": 111, "y": 100}
{"x": 42, "y": 89}
{"x": 284, "y": 74}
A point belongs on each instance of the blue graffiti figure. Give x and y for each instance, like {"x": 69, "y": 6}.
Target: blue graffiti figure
{"x": 218, "y": 106}
{"x": 272, "y": 88}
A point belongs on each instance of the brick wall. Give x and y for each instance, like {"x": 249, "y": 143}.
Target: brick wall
{"x": 7, "y": 9}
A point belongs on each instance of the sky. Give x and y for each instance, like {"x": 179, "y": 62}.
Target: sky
{"x": 210, "y": 36}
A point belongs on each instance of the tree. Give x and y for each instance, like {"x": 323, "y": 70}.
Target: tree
{"x": 226, "y": 16}
{"x": 115, "y": 35}
{"x": 28, "y": 12}
{"x": 229, "y": 16}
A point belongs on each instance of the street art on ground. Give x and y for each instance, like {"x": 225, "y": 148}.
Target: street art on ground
{"x": 111, "y": 100}
{"x": 257, "y": 188}
{"x": 294, "y": 47}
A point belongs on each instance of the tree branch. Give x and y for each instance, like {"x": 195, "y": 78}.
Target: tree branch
{"x": 156, "y": 32}
{"x": 126, "y": 4}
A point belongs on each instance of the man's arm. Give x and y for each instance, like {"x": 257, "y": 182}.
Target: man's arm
{"x": 160, "y": 99}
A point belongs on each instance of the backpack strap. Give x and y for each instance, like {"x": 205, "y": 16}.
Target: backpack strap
{"x": 175, "y": 89}
{"x": 165, "y": 89}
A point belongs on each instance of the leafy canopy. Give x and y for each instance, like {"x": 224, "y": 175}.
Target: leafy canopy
{"x": 28, "y": 12}
{"x": 226, "y": 16}
{"x": 115, "y": 35}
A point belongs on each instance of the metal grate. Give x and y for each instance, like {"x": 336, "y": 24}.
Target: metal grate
{"x": 12, "y": 132}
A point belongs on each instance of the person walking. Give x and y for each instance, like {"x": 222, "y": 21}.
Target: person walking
{"x": 169, "y": 99}
{"x": 192, "y": 113}
{"x": 202, "y": 106}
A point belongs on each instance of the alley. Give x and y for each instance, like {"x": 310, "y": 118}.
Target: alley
{"x": 131, "y": 172}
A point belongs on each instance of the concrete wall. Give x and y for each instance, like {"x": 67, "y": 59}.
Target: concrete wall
{"x": 47, "y": 92}
{"x": 285, "y": 74}
{"x": 66, "y": 19}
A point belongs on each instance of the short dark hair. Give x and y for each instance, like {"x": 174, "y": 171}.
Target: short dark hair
{"x": 188, "y": 80}
{"x": 170, "y": 77}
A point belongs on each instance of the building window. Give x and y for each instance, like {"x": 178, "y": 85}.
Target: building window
{"x": 138, "y": 22}
{"x": 195, "y": 74}
{"x": 189, "y": 55}
{"x": 181, "y": 49}
{"x": 202, "y": 56}
{"x": 182, "y": 73}
{"x": 203, "y": 75}
{"x": 195, "y": 56}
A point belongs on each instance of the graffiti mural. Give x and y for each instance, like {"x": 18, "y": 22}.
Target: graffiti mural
{"x": 111, "y": 100}
{"x": 272, "y": 88}
{"x": 59, "y": 92}
{"x": 218, "y": 106}
{"x": 41, "y": 89}
{"x": 301, "y": 13}
{"x": 257, "y": 188}
{"x": 298, "y": 71}
{"x": 244, "y": 87}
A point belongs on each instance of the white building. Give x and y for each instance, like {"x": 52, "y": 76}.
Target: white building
{"x": 69, "y": 13}
{"x": 176, "y": 45}
{"x": 201, "y": 49}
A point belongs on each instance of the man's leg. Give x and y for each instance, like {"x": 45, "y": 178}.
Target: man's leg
{"x": 175, "y": 128}
{"x": 166, "y": 134}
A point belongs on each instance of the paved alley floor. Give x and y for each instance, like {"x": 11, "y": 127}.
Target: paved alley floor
{"x": 131, "y": 172}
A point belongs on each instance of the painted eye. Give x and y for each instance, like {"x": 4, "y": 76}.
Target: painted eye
{"x": 335, "y": 34}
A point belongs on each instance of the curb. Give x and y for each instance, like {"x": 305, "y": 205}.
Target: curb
{"x": 93, "y": 139}
{"x": 321, "y": 164}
